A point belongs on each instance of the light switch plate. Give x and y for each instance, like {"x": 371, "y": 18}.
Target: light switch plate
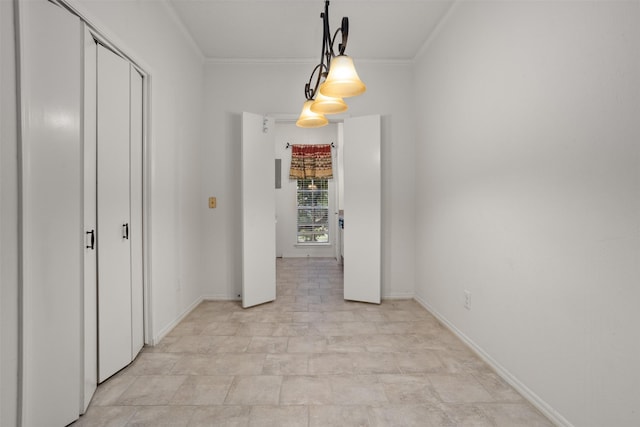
{"x": 212, "y": 202}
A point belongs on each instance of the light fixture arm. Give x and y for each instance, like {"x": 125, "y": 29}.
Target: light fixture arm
{"x": 344, "y": 31}
{"x": 309, "y": 92}
{"x": 322, "y": 69}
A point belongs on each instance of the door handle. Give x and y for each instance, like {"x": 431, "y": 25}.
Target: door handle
{"x": 92, "y": 240}
{"x": 125, "y": 230}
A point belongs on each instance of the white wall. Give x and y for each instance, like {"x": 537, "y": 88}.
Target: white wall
{"x": 528, "y": 189}
{"x": 278, "y": 88}
{"x": 286, "y": 212}
{"x": 8, "y": 221}
{"x": 149, "y": 32}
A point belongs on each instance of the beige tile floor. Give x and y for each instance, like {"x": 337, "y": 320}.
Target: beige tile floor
{"x": 309, "y": 359}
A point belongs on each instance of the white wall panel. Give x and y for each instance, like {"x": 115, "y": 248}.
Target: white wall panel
{"x": 528, "y": 196}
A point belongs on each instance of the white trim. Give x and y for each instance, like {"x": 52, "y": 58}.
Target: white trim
{"x": 147, "y": 80}
{"x": 22, "y": 134}
{"x": 220, "y": 297}
{"x": 110, "y": 39}
{"x": 398, "y": 296}
{"x": 249, "y": 61}
{"x": 525, "y": 391}
{"x": 300, "y": 61}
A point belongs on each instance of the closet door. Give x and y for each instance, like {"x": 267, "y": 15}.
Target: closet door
{"x": 135, "y": 232}
{"x": 90, "y": 288}
{"x": 51, "y": 206}
{"x": 114, "y": 254}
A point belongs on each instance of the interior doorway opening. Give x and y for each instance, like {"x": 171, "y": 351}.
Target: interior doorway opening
{"x": 362, "y": 204}
{"x": 300, "y": 202}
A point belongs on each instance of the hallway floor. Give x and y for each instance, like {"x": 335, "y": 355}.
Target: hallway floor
{"x": 309, "y": 359}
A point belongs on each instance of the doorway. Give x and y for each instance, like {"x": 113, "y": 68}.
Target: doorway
{"x": 362, "y": 207}
{"x": 288, "y": 243}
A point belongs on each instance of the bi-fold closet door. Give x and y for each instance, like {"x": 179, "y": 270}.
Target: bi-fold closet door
{"x": 50, "y": 225}
{"x": 119, "y": 211}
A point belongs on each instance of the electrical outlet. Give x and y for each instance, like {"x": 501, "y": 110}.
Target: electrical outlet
{"x": 212, "y": 203}
{"x": 467, "y": 299}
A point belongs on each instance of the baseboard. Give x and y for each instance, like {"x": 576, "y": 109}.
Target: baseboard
{"x": 401, "y": 296}
{"x": 175, "y": 323}
{"x": 220, "y": 298}
{"x": 398, "y": 296}
{"x": 529, "y": 395}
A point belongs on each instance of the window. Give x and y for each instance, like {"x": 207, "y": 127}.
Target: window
{"x": 313, "y": 210}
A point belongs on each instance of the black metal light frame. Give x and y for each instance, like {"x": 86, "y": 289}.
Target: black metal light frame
{"x": 322, "y": 69}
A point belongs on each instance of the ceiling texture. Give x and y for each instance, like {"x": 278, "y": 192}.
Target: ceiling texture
{"x": 291, "y": 30}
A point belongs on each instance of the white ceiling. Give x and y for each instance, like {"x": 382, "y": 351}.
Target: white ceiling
{"x": 292, "y": 29}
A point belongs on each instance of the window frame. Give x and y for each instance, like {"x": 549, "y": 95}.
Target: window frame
{"x": 318, "y": 214}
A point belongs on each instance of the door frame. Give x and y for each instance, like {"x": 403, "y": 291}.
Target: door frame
{"x": 339, "y": 119}
{"x": 284, "y": 152}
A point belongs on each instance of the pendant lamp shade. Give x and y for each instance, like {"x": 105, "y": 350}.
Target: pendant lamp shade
{"x": 343, "y": 80}
{"x": 309, "y": 119}
{"x": 328, "y": 105}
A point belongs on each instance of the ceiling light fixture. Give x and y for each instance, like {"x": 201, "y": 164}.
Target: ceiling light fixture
{"x": 334, "y": 78}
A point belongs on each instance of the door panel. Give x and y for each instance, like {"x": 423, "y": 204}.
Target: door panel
{"x": 114, "y": 256}
{"x": 51, "y": 205}
{"x": 90, "y": 312}
{"x": 258, "y": 211}
{"x": 137, "y": 319}
{"x": 362, "y": 221}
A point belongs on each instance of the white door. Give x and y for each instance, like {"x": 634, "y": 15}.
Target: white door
{"x": 135, "y": 164}
{"x": 114, "y": 255}
{"x": 90, "y": 287}
{"x": 362, "y": 223}
{"x": 258, "y": 211}
{"x": 51, "y": 205}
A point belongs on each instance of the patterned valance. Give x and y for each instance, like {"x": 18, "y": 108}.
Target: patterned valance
{"x": 311, "y": 161}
